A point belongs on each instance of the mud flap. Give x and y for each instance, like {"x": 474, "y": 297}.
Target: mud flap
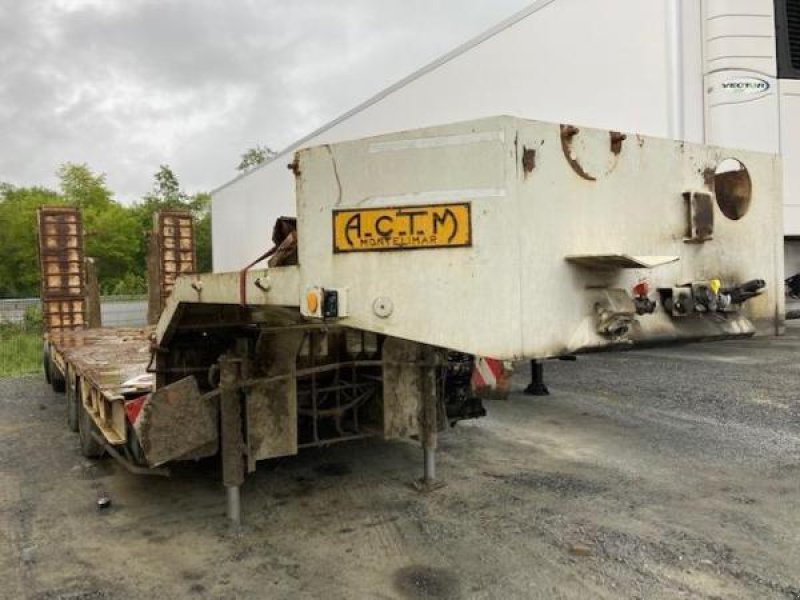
{"x": 177, "y": 423}
{"x": 409, "y": 374}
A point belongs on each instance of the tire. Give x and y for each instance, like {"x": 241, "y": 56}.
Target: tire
{"x": 73, "y": 404}
{"x": 90, "y": 447}
{"x": 46, "y": 362}
{"x": 57, "y": 378}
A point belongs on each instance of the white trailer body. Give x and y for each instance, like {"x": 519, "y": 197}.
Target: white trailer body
{"x": 519, "y": 239}
{"x": 751, "y": 84}
{"x": 712, "y": 71}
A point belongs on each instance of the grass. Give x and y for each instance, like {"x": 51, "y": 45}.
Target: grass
{"x": 20, "y": 350}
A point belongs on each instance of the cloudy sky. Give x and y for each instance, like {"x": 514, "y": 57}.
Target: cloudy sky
{"x": 125, "y": 85}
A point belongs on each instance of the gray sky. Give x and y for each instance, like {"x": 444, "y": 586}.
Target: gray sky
{"x": 125, "y": 85}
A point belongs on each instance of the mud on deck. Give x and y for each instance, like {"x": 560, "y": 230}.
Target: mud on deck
{"x": 107, "y": 356}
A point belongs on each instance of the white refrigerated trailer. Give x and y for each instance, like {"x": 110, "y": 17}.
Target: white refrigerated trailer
{"x": 722, "y": 72}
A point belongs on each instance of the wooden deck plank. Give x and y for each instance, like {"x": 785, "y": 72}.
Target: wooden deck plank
{"x": 108, "y": 356}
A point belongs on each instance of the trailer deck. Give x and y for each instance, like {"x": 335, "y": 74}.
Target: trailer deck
{"x": 113, "y": 359}
{"x": 102, "y": 367}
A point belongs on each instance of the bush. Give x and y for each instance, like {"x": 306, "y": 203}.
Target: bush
{"x": 33, "y": 319}
{"x": 20, "y": 349}
{"x": 131, "y": 284}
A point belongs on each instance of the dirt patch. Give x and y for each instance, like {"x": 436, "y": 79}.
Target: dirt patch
{"x": 656, "y": 474}
{"x": 332, "y": 469}
{"x": 561, "y": 484}
{"x": 421, "y": 582}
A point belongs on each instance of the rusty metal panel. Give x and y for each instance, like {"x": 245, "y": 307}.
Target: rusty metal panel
{"x": 64, "y": 313}
{"x": 61, "y": 263}
{"x": 175, "y": 230}
{"x": 271, "y": 407}
{"x": 272, "y": 419}
{"x": 408, "y": 369}
{"x": 176, "y": 422}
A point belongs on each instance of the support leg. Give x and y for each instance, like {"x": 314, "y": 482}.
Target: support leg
{"x": 232, "y": 446}
{"x": 537, "y": 387}
{"x": 429, "y": 420}
{"x": 234, "y": 504}
{"x": 430, "y": 465}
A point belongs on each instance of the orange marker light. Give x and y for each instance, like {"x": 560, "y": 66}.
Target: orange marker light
{"x": 312, "y": 301}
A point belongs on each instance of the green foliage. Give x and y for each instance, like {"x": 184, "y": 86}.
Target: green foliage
{"x": 82, "y": 188}
{"x": 131, "y": 284}
{"x": 33, "y": 318}
{"x": 19, "y": 266}
{"x": 202, "y": 236}
{"x": 110, "y": 231}
{"x": 20, "y": 350}
{"x": 166, "y": 187}
{"x": 254, "y": 157}
{"x": 112, "y": 237}
{"x": 201, "y": 208}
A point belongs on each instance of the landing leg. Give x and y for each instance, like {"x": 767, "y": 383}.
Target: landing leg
{"x": 232, "y": 446}
{"x": 537, "y": 387}
{"x": 234, "y": 504}
{"x": 430, "y": 465}
{"x": 429, "y": 425}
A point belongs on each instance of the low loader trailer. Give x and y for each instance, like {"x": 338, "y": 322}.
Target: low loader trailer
{"x": 415, "y": 256}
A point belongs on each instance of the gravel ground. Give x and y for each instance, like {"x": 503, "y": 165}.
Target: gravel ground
{"x": 664, "y": 473}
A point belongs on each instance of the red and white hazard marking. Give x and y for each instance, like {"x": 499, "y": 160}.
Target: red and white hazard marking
{"x": 486, "y": 372}
{"x": 491, "y": 377}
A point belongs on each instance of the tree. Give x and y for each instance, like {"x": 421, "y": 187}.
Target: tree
{"x": 114, "y": 234}
{"x": 111, "y": 237}
{"x": 19, "y": 267}
{"x": 82, "y": 188}
{"x": 201, "y": 208}
{"x": 167, "y": 194}
{"x": 255, "y": 156}
{"x": 111, "y": 231}
{"x": 167, "y": 188}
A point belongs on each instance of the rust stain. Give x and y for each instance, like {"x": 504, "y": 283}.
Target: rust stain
{"x": 61, "y": 264}
{"x": 568, "y": 132}
{"x": 708, "y": 177}
{"x": 616, "y": 139}
{"x": 174, "y": 231}
{"x": 528, "y": 159}
{"x": 701, "y": 217}
{"x": 733, "y": 189}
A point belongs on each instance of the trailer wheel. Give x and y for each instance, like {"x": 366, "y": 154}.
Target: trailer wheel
{"x": 46, "y": 362}
{"x": 73, "y": 403}
{"x": 57, "y": 379}
{"x": 90, "y": 447}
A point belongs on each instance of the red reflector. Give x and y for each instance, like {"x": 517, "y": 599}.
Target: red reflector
{"x": 641, "y": 289}
{"x": 134, "y": 407}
